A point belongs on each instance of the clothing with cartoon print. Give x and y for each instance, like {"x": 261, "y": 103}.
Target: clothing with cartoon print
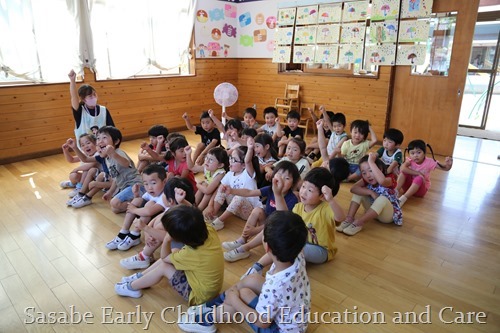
{"x": 241, "y": 181}
{"x": 292, "y": 134}
{"x": 384, "y": 157}
{"x": 209, "y": 176}
{"x": 157, "y": 200}
{"x": 334, "y": 141}
{"x": 267, "y": 192}
{"x": 353, "y": 153}
{"x": 86, "y": 119}
{"x": 425, "y": 167}
{"x": 124, "y": 176}
{"x": 207, "y": 137}
{"x": 390, "y": 193}
{"x": 177, "y": 170}
{"x": 270, "y": 129}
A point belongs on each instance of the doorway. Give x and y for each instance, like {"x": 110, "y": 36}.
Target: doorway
{"x": 480, "y": 109}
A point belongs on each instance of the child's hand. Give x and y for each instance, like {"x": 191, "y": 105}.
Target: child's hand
{"x": 250, "y": 143}
{"x": 139, "y": 224}
{"x": 325, "y": 164}
{"x": 327, "y": 193}
{"x": 211, "y": 113}
{"x": 372, "y": 157}
{"x": 180, "y": 195}
{"x": 188, "y": 150}
{"x": 65, "y": 146}
{"x": 106, "y": 196}
{"x": 269, "y": 176}
{"x": 278, "y": 184}
{"x": 232, "y": 296}
{"x": 109, "y": 150}
{"x": 448, "y": 161}
{"x": 160, "y": 139}
{"x": 322, "y": 108}
{"x": 185, "y": 116}
{"x": 70, "y": 142}
{"x": 136, "y": 190}
{"x": 311, "y": 111}
{"x": 225, "y": 189}
{"x": 144, "y": 145}
{"x": 72, "y": 75}
{"x": 319, "y": 124}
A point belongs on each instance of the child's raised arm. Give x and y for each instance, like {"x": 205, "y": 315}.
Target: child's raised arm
{"x": 189, "y": 160}
{"x": 249, "y": 168}
{"x": 326, "y": 117}
{"x": 377, "y": 173}
{"x": 338, "y": 212}
{"x": 373, "y": 136}
{"x": 242, "y": 192}
{"x": 277, "y": 187}
{"x": 448, "y": 163}
{"x": 75, "y": 99}
{"x": 189, "y": 126}
{"x": 217, "y": 122}
{"x": 70, "y": 158}
{"x": 79, "y": 153}
{"x": 322, "y": 140}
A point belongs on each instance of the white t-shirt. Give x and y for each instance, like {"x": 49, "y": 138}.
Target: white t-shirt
{"x": 158, "y": 200}
{"x": 242, "y": 181}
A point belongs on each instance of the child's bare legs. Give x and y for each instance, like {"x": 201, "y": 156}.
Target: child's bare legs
{"x": 141, "y": 164}
{"x": 254, "y": 223}
{"x": 197, "y": 153}
{"x": 411, "y": 185}
{"x": 153, "y": 275}
{"x": 204, "y": 201}
{"x": 76, "y": 177}
{"x": 380, "y": 209}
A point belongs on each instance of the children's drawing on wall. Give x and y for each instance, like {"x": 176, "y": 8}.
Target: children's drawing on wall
{"x": 284, "y": 35}
{"x": 326, "y": 54}
{"x": 384, "y": 31}
{"x": 307, "y": 15}
{"x": 416, "y": 8}
{"x": 350, "y": 54}
{"x": 411, "y": 54}
{"x": 353, "y": 33}
{"x": 201, "y": 16}
{"x": 384, "y": 10}
{"x": 330, "y": 13}
{"x": 286, "y": 16}
{"x": 305, "y": 35}
{"x": 355, "y": 11}
{"x": 303, "y": 54}
{"x": 328, "y": 33}
{"x": 271, "y": 22}
{"x": 414, "y": 31}
{"x": 246, "y": 40}
{"x": 282, "y": 54}
{"x": 215, "y": 32}
{"x": 384, "y": 54}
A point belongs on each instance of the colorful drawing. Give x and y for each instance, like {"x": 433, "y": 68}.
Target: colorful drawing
{"x": 229, "y": 30}
{"x": 201, "y": 50}
{"x": 307, "y": 14}
{"x": 353, "y": 33}
{"x": 271, "y": 22}
{"x": 328, "y": 33}
{"x": 245, "y": 19}
{"x": 270, "y": 45}
{"x": 416, "y": 8}
{"x": 260, "y": 35}
{"x": 216, "y": 14}
{"x": 350, "y": 54}
{"x": 383, "y": 32}
{"x": 330, "y": 13}
{"x": 216, "y": 34}
{"x": 282, "y": 54}
{"x": 201, "y": 16}
{"x": 326, "y": 54}
{"x": 411, "y": 54}
{"x": 305, "y": 35}
{"x": 230, "y": 10}
{"x": 381, "y": 54}
{"x": 355, "y": 11}
{"x": 246, "y": 40}
{"x": 385, "y": 10}
{"x": 286, "y": 16}
{"x": 214, "y": 49}
{"x": 226, "y": 50}
{"x": 303, "y": 54}
{"x": 284, "y": 35}
{"x": 414, "y": 31}
{"x": 259, "y": 19}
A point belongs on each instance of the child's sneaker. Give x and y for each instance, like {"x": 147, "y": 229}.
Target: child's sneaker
{"x": 352, "y": 229}
{"x": 123, "y": 289}
{"x": 234, "y": 255}
{"x": 130, "y": 278}
{"x": 128, "y": 242}
{"x": 82, "y": 202}
{"x": 136, "y": 262}
{"x": 73, "y": 200}
{"x": 67, "y": 184}
{"x": 228, "y": 246}
{"x": 187, "y": 323}
{"x": 113, "y": 244}
{"x": 343, "y": 225}
{"x": 251, "y": 270}
{"x": 74, "y": 192}
{"x": 217, "y": 224}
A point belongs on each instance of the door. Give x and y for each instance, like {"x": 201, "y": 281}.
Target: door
{"x": 427, "y": 106}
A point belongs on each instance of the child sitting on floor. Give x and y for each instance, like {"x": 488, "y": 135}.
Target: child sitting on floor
{"x": 356, "y": 147}
{"x": 210, "y": 135}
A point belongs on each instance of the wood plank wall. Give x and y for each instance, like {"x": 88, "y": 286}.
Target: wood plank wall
{"x": 36, "y": 120}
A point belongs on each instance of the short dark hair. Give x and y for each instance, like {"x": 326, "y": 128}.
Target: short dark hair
{"x": 378, "y": 163}
{"x": 234, "y": 123}
{"x": 85, "y": 90}
{"x": 221, "y": 155}
{"x": 249, "y": 131}
{"x": 157, "y": 130}
{"x": 339, "y": 168}
{"x": 177, "y": 143}
{"x": 286, "y": 234}
{"x": 293, "y": 115}
{"x": 113, "y": 132}
{"x": 183, "y": 184}
{"x": 271, "y": 109}
{"x": 291, "y": 168}
{"x": 155, "y": 168}
{"x": 301, "y": 143}
{"x": 251, "y": 111}
{"x": 320, "y": 177}
{"x": 363, "y": 126}
{"x": 330, "y": 115}
{"x": 339, "y": 118}
{"x": 394, "y": 135}
{"x": 185, "y": 224}
{"x": 205, "y": 115}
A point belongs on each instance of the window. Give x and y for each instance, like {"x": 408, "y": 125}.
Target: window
{"x": 117, "y": 38}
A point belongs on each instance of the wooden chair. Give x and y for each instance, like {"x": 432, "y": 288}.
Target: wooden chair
{"x": 290, "y": 101}
{"x": 305, "y": 117}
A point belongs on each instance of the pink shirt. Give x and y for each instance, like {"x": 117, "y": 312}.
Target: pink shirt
{"x": 425, "y": 167}
{"x": 178, "y": 169}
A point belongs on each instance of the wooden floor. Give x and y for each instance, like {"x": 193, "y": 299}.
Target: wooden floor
{"x": 442, "y": 264}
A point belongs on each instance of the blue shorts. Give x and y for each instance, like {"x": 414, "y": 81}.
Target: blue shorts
{"x": 180, "y": 284}
{"x": 126, "y": 194}
{"x": 354, "y": 168}
{"x": 271, "y": 329}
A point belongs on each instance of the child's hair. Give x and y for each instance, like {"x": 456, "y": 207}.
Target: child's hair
{"x": 378, "y": 163}
{"x": 301, "y": 143}
{"x": 265, "y": 139}
{"x": 221, "y": 155}
{"x": 339, "y": 168}
{"x": 87, "y": 135}
{"x": 330, "y": 115}
{"x": 363, "y": 127}
{"x": 242, "y": 151}
{"x": 339, "y": 118}
{"x": 155, "y": 168}
{"x": 420, "y": 144}
{"x": 293, "y": 115}
{"x": 251, "y": 111}
{"x": 394, "y": 135}
{"x": 173, "y": 136}
{"x": 157, "y": 130}
{"x": 236, "y": 124}
{"x": 249, "y": 131}
{"x": 271, "y": 109}
{"x": 205, "y": 115}
{"x": 113, "y": 132}
{"x": 177, "y": 143}
{"x": 85, "y": 90}
{"x": 291, "y": 168}
{"x": 320, "y": 177}
{"x": 285, "y": 233}
{"x": 186, "y": 225}
{"x": 183, "y": 184}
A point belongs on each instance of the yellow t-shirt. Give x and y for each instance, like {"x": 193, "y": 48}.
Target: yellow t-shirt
{"x": 320, "y": 223}
{"x": 353, "y": 153}
{"x": 203, "y": 266}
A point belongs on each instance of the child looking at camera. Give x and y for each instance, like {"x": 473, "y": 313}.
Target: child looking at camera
{"x": 291, "y": 130}
{"x": 157, "y": 136}
{"x": 356, "y": 147}
{"x": 390, "y": 153}
{"x": 210, "y": 135}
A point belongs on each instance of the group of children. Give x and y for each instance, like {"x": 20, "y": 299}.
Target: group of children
{"x": 263, "y": 176}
